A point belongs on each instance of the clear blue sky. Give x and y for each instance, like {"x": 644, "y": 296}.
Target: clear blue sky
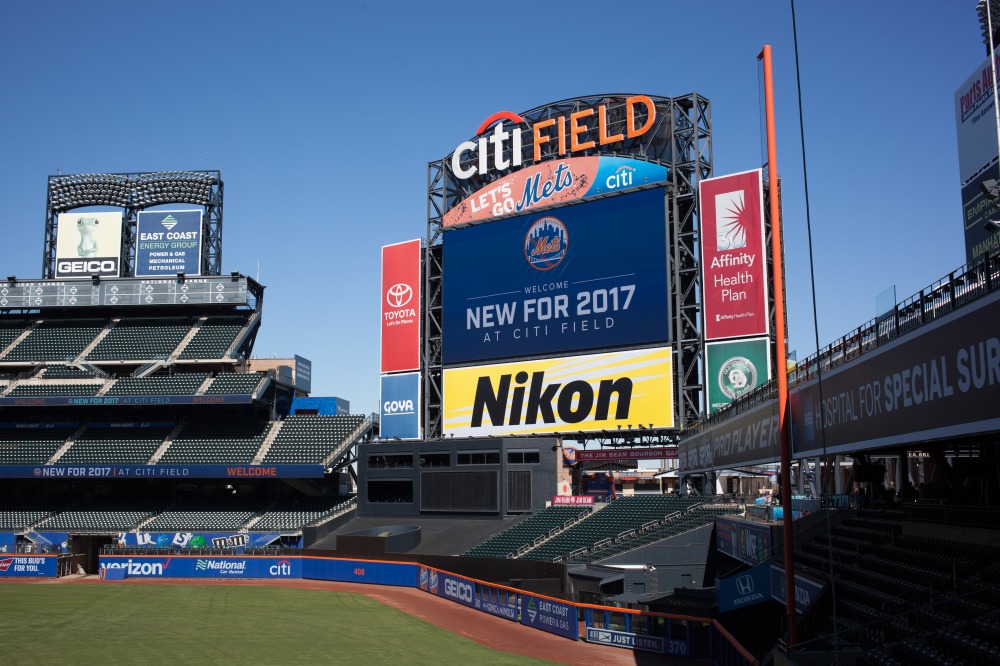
{"x": 322, "y": 117}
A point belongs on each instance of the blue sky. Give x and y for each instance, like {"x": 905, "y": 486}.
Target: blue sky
{"x": 322, "y": 117}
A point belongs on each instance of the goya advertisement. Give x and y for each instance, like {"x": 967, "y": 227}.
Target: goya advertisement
{"x": 571, "y": 279}
{"x": 571, "y": 394}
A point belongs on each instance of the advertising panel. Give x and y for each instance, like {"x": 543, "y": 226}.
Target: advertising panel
{"x": 941, "y": 381}
{"x": 555, "y": 182}
{"x": 8, "y": 542}
{"x": 734, "y": 368}
{"x": 576, "y": 278}
{"x": 575, "y": 394}
{"x": 572, "y": 500}
{"x": 549, "y": 615}
{"x": 355, "y": 571}
{"x": 624, "y": 639}
{"x": 179, "y": 540}
{"x": 28, "y": 566}
{"x": 88, "y": 244}
{"x": 975, "y": 120}
{"x": 733, "y": 261}
{"x": 168, "y": 242}
{"x": 745, "y": 439}
{"x": 303, "y": 374}
{"x": 746, "y": 589}
{"x": 653, "y": 453}
{"x": 807, "y": 591}
{"x": 747, "y": 541}
{"x": 400, "y": 401}
{"x": 401, "y": 306}
{"x": 203, "y": 566}
{"x": 162, "y": 471}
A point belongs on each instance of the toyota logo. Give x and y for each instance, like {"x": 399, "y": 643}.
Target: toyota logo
{"x": 398, "y": 295}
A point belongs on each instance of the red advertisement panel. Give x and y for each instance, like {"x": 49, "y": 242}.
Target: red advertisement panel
{"x": 401, "y": 306}
{"x": 572, "y": 500}
{"x": 733, "y": 262}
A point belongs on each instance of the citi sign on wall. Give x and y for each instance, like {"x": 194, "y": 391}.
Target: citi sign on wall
{"x": 733, "y": 262}
{"x": 401, "y": 306}
{"x": 570, "y": 394}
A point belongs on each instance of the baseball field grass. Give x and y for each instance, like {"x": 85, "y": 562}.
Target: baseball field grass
{"x": 192, "y": 624}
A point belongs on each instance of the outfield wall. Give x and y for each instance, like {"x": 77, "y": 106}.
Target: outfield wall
{"x": 676, "y": 635}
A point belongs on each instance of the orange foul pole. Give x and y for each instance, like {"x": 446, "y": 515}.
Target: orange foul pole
{"x": 781, "y": 353}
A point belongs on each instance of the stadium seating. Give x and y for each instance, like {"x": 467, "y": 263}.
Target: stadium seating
{"x": 293, "y": 516}
{"x": 31, "y": 446}
{"x": 310, "y": 439}
{"x": 10, "y": 330}
{"x": 19, "y": 520}
{"x": 180, "y": 384}
{"x": 59, "y": 371}
{"x": 133, "y": 445}
{"x": 536, "y": 528}
{"x": 95, "y": 521}
{"x": 208, "y": 520}
{"x": 56, "y": 340}
{"x": 214, "y": 338}
{"x": 216, "y": 441}
{"x": 234, "y": 383}
{"x": 143, "y": 338}
{"x": 22, "y": 390}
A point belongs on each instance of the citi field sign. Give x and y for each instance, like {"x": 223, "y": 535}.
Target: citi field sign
{"x": 551, "y": 160}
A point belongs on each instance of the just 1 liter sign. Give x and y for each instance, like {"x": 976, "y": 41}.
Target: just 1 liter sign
{"x": 570, "y": 279}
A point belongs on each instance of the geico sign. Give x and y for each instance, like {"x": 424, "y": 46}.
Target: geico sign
{"x": 564, "y": 131}
{"x": 87, "y": 266}
{"x": 458, "y": 590}
{"x": 282, "y": 568}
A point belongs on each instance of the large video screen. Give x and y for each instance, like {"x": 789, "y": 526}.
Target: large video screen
{"x": 579, "y": 277}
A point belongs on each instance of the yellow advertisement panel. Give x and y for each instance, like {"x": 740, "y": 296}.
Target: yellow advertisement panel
{"x": 570, "y": 394}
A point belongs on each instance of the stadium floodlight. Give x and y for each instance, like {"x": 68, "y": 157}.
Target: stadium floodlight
{"x": 990, "y": 188}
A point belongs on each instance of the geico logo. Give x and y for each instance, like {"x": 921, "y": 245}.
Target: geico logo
{"x": 282, "y": 568}
{"x": 457, "y": 590}
{"x": 541, "y": 397}
{"x": 137, "y": 568}
{"x": 566, "y": 132}
{"x": 91, "y": 266}
{"x": 394, "y": 406}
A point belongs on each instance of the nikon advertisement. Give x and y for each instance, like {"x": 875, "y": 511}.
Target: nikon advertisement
{"x": 88, "y": 244}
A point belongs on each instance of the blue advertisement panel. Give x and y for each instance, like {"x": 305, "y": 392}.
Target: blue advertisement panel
{"x": 162, "y": 471}
{"x": 744, "y": 540}
{"x": 8, "y": 542}
{"x": 355, "y": 571}
{"x": 496, "y": 602}
{"x": 624, "y": 639}
{"x": 588, "y": 276}
{"x": 221, "y": 540}
{"x": 123, "y": 400}
{"x": 551, "y": 616}
{"x": 29, "y": 566}
{"x": 168, "y": 243}
{"x": 746, "y": 589}
{"x": 400, "y": 401}
{"x": 807, "y": 591}
{"x": 49, "y": 542}
{"x": 457, "y": 589}
{"x": 193, "y": 566}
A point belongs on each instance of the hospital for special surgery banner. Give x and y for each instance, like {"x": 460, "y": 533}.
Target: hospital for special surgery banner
{"x": 168, "y": 242}
{"x": 88, "y": 244}
{"x": 733, "y": 260}
{"x": 570, "y": 394}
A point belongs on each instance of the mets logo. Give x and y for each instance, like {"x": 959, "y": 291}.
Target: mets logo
{"x": 546, "y": 243}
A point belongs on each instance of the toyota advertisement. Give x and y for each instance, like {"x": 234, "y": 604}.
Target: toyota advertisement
{"x": 733, "y": 261}
{"x": 401, "y": 307}
{"x": 571, "y": 279}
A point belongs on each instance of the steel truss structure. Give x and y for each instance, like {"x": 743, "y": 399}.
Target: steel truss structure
{"x": 680, "y": 140}
{"x": 135, "y": 192}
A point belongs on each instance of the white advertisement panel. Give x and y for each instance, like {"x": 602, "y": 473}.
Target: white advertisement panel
{"x": 976, "y": 122}
{"x": 88, "y": 244}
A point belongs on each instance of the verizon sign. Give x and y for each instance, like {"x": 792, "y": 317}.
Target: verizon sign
{"x": 401, "y": 306}
{"x": 733, "y": 262}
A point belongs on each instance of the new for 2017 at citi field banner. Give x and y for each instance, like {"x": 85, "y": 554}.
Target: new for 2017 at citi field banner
{"x": 401, "y": 306}
{"x": 589, "y": 276}
{"x": 571, "y": 394}
{"x": 733, "y": 262}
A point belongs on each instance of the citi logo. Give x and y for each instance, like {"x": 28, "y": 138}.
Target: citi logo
{"x": 282, "y": 568}
{"x": 744, "y": 584}
{"x": 398, "y": 295}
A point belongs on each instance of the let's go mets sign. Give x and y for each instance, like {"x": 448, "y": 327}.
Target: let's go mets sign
{"x": 569, "y": 394}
